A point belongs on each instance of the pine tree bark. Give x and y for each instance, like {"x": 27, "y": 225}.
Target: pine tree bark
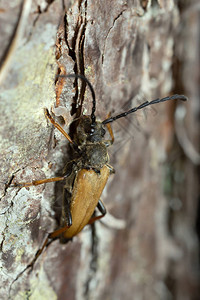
{"x": 146, "y": 247}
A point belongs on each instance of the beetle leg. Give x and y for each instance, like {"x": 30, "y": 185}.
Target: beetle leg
{"x": 46, "y": 180}
{"x": 57, "y": 233}
{"x": 55, "y": 124}
{"x": 111, "y": 133}
{"x": 51, "y": 236}
{"x": 112, "y": 170}
{"x": 109, "y": 142}
{"x": 37, "y": 182}
{"x": 102, "y": 209}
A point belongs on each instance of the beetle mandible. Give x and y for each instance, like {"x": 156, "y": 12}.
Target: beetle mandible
{"x": 87, "y": 172}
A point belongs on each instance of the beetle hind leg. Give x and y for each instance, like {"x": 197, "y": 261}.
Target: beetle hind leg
{"x": 102, "y": 210}
{"x": 57, "y": 233}
{"x": 51, "y": 236}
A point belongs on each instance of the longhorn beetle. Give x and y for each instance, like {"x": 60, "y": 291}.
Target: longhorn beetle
{"x": 87, "y": 172}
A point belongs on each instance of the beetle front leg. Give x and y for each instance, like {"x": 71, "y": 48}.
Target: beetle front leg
{"x": 102, "y": 210}
{"x": 55, "y": 124}
{"x": 111, "y": 134}
{"x": 109, "y": 142}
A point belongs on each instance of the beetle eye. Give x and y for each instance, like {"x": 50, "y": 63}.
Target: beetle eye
{"x": 92, "y": 130}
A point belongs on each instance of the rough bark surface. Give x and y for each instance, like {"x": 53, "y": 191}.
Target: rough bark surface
{"x": 146, "y": 247}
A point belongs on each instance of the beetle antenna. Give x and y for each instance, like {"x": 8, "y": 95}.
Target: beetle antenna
{"x": 147, "y": 103}
{"x": 93, "y": 117}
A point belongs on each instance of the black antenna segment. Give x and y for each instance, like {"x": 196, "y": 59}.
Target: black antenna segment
{"x": 147, "y": 103}
{"x": 93, "y": 117}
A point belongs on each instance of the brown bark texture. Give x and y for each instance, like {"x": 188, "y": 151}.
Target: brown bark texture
{"x": 146, "y": 247}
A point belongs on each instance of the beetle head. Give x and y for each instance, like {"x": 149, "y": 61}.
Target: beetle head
{"x": 88, "y": 132}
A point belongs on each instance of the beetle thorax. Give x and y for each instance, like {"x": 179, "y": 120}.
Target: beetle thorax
{"x": 94, "y": 155}
{"x": 86, "y": 132}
